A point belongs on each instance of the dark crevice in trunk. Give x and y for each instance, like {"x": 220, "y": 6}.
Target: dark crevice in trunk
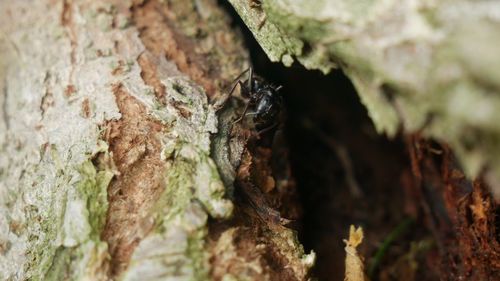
{"x": 397, "y": 189}
{"x": 346, "y": 173}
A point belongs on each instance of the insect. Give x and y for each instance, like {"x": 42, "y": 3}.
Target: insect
{"x": 264, "y": 100}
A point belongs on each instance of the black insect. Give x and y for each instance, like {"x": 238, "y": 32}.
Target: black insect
{"x": 264, "y": 100}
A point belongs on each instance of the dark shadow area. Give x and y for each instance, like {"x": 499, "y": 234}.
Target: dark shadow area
{"x": 346, "y": 172}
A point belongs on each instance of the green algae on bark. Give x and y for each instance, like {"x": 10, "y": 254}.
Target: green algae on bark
{"x": 71, "y": 225}
{"x": 193, "y": 191}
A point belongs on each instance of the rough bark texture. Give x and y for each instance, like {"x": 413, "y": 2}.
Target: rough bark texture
{"x": 107, "y": 167}
{"x": 426, "y": 66}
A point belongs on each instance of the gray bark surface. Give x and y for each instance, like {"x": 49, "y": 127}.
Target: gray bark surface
{"x": 107, "y": 113}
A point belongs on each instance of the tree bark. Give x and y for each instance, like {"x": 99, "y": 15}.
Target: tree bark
{"x": 114, "y": 164}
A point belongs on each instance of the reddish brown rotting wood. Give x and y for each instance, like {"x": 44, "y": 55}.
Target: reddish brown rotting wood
{"x": 462, "y": 214}
{"x": 475, "y": 251}
{"x": 134, "y": 143}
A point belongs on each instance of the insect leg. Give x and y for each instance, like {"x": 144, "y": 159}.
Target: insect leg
{"x": 239, "y": 76}
{"x": 251, "y": 113}
{"x": 250, "y": 80}
{"x": 265, "y": 130}
{"x": 242, "y": 115}
{"x": 234, "y": 87}
{"x": 234, "y": 83}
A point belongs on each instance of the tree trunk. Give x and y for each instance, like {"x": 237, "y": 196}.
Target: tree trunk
{"x": 109, "y": 166}
{"x": 121, "y": 160}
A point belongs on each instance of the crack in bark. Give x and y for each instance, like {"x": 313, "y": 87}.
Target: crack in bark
{"x": 149, "y": 75}
{"x": 134, "y": 142}
{"x": 5, "y": 114}
{"x": 47, "y": 98}
{"x": 67, "y": 22}
{"x": 86, "y": 108}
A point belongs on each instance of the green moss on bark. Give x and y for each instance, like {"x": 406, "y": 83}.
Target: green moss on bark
{"x": 70, "y": 227}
